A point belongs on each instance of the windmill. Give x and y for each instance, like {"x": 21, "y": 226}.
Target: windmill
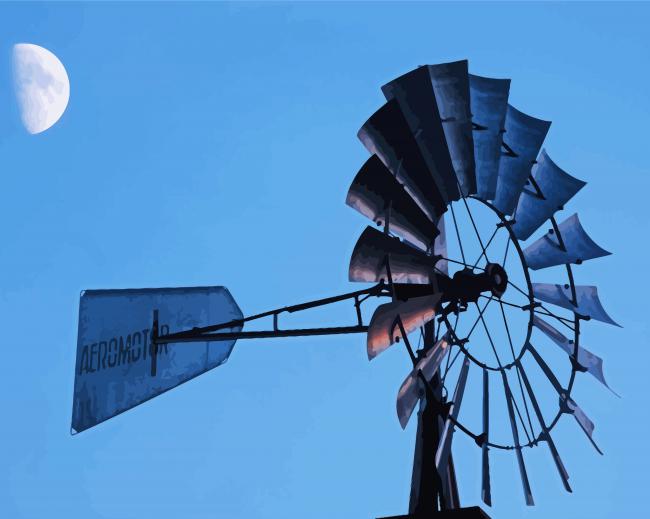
{"x": 459, "y": 190}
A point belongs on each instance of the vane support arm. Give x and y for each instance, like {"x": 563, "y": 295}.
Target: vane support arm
{"x": 212, "y": 332}
{"x": 264, "y": 334}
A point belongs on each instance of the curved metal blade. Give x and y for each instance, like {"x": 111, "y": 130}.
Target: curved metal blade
{"x": 444, "y": 446}
{"x": 375, "y": 249}
{"x": 588, "y": 303}
{"x": 586, "y": 359}
{"x": 488, "y": 102}
{"x": 377, "y": 194}
{"x": 515, "y": 435}
{"x": 410, "y": 391}
{"x": 415, "y": 95}
{"x": 546, "y": 435}
{"x": 578, "y": 246}
{"x": 451, "y": 88}
{"x": 567, "y": 404}
{"x": 522, "y": 139}
{"x": 583, "y": 421}
{"x": 387, "y": 135}
{"x": 557, "y": 188}
{"x": 383, "y": 331}
{"x": 486, "y": 491}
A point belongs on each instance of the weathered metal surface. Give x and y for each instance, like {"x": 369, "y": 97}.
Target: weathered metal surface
{"x": 378, "y": 195}
{"x": 546, "y": 434}
{"x": 576, "y": 246}
{"x": 523, "y": 137}
{"x": 557, "y": 188}
{"x": 387, "y": 135}
{"x": 451, "y": 87}
{"x": 587, "y": 303}
{"x": 488, "y": 103}
{"x": 444, "y": 447}
{"x": 383, "y": 330}
{"x": 415, "y": 95}
{"x": 587, "y": 360}
{"x": 567, "y": 404}
{"x": 113, "y": 365}
{"x": 412, "y": 388}
{"x": 376, "y": 250}
{"x": 528, "y": 494}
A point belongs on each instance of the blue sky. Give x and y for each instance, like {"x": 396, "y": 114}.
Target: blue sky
{"x": 213, "y": 144}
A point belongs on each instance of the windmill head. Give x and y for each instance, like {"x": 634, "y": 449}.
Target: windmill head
{"x": 445, "y": 142}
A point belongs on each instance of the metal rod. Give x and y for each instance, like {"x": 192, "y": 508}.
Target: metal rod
{"x": 375, "y": 290}
{"x": 265, "y": 334}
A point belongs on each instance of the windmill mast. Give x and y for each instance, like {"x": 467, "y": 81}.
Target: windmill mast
{"x": 431, "y": 491}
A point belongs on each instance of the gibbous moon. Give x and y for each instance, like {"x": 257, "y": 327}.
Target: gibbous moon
{"x": 42, "y": 86}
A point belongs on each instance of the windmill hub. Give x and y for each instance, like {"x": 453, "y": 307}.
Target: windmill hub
{"x": 466, "y": 285}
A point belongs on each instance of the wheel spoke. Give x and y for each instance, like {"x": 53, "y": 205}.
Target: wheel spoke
{"x": 479, "y": 318}
{"x": 517, "y": 288}
{"x": 561, "y": 320}
{"x": 507, "y": 303}
{"x": 460, "y": 243}
{"x": 496, "y": 355}
{"x": 505, "y": 255}
{"x": 480, "y": 241}
{"x": 486, "y": 247}
{"x": 460, "y": 263}
{"x": 514, "y": 360}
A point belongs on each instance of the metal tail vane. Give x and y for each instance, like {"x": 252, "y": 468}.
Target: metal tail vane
{"x": 445, "y": 142}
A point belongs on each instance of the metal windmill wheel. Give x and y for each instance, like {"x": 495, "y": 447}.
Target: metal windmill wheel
{"x": 446, "y": 150}
{"x": 461, "y": 197}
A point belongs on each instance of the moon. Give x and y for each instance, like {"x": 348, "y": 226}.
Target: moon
{"x": 41, "y": 85}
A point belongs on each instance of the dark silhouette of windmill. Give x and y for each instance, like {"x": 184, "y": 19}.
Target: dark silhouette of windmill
{"x": 445, "y": 142}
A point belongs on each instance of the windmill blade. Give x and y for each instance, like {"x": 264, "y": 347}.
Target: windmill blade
{"x": 546, "y": 435}
{"x": 486, "y": 491}
{"x": 588, "y": 303}
{"x": 375, "y": 249}
{"x": 557, "y": 188}
{"x": 444, "y": 446}
{"x": 387, "y": 135}
{"x": 592, "y": 363}
{"x": 451, "y": 88}
{"x": 567, "y": 404}
{"x": 583, "y": 421}
{"x": 523, "y": 137}
{"x": 377, "y": 194}
{"x": 578, "y": 247}
{"x": 515, "y": 435}
{"x": 410, "y": 391}
{"x": 488, "y": 103}
{"x": 414, "y": 313}
{"x": 450, "y": 495}
{"x": 440, "y": 248}
{"x": 414, "y": 93}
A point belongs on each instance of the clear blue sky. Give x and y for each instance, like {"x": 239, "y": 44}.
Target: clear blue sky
{"x": 214, "y": 144}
